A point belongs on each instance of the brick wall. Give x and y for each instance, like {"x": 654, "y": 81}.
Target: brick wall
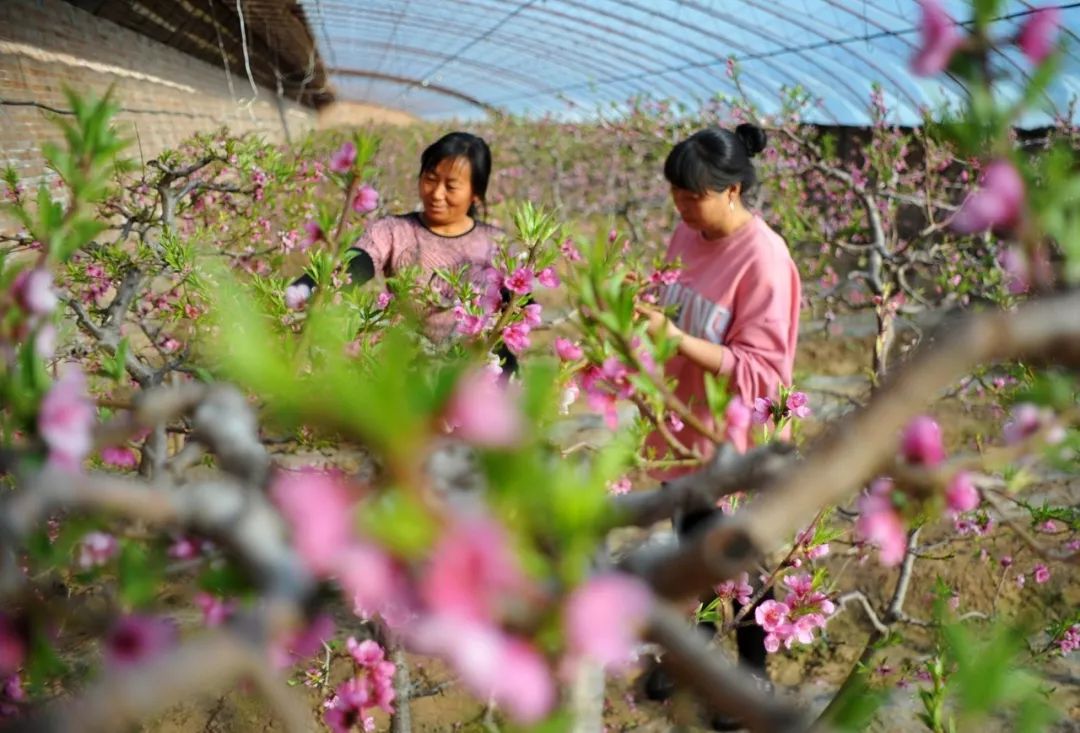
{"x": 165, "y": 95}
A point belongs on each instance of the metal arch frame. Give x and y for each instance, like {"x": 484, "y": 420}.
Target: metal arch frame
{"x": 518, "y": 78}
{"x": 437, "y": 88}
{"x": 592, "y": 59}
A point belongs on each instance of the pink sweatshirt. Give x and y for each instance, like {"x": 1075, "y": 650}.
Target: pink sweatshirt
{"x": 396, "y": 242}
{"x": 741, "y": 291}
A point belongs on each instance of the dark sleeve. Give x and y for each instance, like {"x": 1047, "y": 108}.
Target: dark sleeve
{"x": 360, "y": 266}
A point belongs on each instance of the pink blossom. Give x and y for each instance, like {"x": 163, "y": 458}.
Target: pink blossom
{"x": 135, "y": 638}
{"x": 1026, "y": 420}
{"x": 797, "y": 405}
{"x": 921, "y": 443}
{"x": 319, "y": 510}
{"x": 961, "y": 494}
{"x": 739, "y": 590}
{"x": 485, "y": 412}
{"x": 342, "y": 161}
{"x": 1039, "y": 34}
{"x": 762, "y": 412}
{"x": 366, "y": 653}
{"x": 1017, "y": 273}
{"x": 665, "y": 277}
{"x": 520, "y": 281}
{"x": 568, "y": 350}
{"x": 491, "y": 664}
{"x": 468, "y": 324}
{"x": 1041, "y": 573}
{"x": 297, "y": 295}
{"x": 612, "y": 235}
{"x": 996, "y": 205}
{"x": 617, "y": 374}
{"x": 532, "y": 315}
{"x": 800, "y": 585}
{"x": 880, "y": 525}
{"x": 366, "y": 200}
{"x": 215, "y": 610}
{"x": 314, "y": 233}
{"x": 619, "y": 486}
{"x": 473, "y": 571}
{"x": 644, "y": 355}
{"x": 65, "y": 420}
{"x": 939, "y": 37}
{"x": 34, "y": 292}
{"x": 516, "y": 337}
{"x": 605, "y": 616}
{"x": 186, "y": 548}
{"x": 375, "y": 583}
{"x": 96, "y": 549}
{"x": 803, "y": 630}
{"x": 548, "y": 278}
{"x": 12, "y": 646}
{"x": 737, "y": 418}
{"x": 770, "y": 615}
{"x": 45, "y": 341}
{"x": 605, "y": 404}
{"x": 383, "y": 300}
{"x": 1006, "y": 561}
{"x": 346, "y": 709}
{"x": 675, "y": 422}
{"x": 818, "y": 551}
{"x": 1070, "y": 640}
{"x": 570, "y": 251}
{"x": 119, "y": 456}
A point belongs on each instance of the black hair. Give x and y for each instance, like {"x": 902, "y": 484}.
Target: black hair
{"x": 461, "y": 145}
{"x": 714, "y": 158}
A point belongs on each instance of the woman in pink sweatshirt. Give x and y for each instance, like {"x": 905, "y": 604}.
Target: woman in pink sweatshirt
{"x": 734, "y": 311}
{"x": 735, "y": 307}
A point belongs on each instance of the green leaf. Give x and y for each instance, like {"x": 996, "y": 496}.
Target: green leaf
{"x": 399, "y": 523}
{"x": 115, "y": 366}
{"x": 139, "y": 574}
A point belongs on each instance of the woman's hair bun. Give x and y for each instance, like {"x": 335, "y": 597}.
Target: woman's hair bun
{"x": 752, "y": 136}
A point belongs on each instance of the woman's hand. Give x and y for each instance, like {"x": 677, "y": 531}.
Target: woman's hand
{"x": 659, "y": 324}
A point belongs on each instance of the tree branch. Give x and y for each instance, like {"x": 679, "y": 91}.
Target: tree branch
{"x": 123, "y": 699}
{"x": 725, "y": 688}
{"x": 857, "y": 448}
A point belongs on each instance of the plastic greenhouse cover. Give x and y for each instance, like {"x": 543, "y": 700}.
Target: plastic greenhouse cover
{"x": 571, "y": 58}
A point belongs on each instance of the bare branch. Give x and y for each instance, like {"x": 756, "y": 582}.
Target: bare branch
{"x": 123, "y": 699}
{"x": 871, "y": 614}
{"x": 727, "y": 472}
{"x": 110, "y": 341}
{"x": 237, "y": 516}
